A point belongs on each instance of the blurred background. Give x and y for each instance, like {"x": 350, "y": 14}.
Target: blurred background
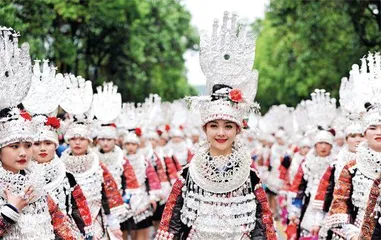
{"x": 151, "y": 46}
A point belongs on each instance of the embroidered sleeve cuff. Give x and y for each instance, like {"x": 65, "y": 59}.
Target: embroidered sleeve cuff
{"x": 10, "y": 213}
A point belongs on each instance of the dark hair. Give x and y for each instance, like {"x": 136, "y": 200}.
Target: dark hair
{"x": 217, "y": 87}
{"x": 368, "y": 106}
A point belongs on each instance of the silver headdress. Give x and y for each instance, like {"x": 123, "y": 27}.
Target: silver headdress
{"x": 107, "y": 104}
{"x": 321, "y": 110}
{"x": 44, "y": 96}
{"x": 227, "y": 58}
{"x": 363, "y": 87}
{"x": 77, "y": 102}
{"x": 15, "y": 68}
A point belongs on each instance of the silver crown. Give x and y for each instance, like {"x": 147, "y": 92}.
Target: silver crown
{"x": 227, "y": 57}
{"x": 78, "y": 96}
{"x": 47, "y": 90}
{"x": 107, "y": 103}
{"x": 15, "y": 69}
{"x": 321, "y": 109}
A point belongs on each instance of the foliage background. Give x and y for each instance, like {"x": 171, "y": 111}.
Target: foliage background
{"x": 307, "y": 44}
{"x": 137, "y": 44}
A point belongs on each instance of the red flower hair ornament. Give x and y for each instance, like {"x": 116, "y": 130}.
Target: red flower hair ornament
{"x": 138, "y": 132}
{"x": 235, "y": 95}
{"x": 53, "y": 122}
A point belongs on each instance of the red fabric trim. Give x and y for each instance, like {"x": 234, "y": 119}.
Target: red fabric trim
{"x": 129, "y": 174}
{"x": 83, "y": 208}
{"x": 323, "y": 185}
{"x": 369, "y": 224}
{"x": 267, "y": 216}
{"x": 172, "y": 168}
{"x": 283, "y": 172}
{"x": 60, "y": 221}
{"x": 297, "y": 179}
{"x": 114, "y": 198}
{"x": 4, "y": 226}
{"x": 168, "y": 210}
{"x": 160, "y": 170}
{"x": 341, "y": 195}
{"x": 153, "y": 179}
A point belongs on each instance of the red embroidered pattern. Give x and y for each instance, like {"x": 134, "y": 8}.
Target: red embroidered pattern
{"x": 168, "y": 210}
{"x": 153, "y": 179}
{"x": 114, "y": 198}
{"x": 160, "y": 170}
{"x": 129, "y": 174}
{"x": 60, "y": 221}
{"x": 297, "y": 180}
{"x": 172, "y": 168}
{"x": 83, "y": 208}
{"x": 267, "y": 216}
{"x": 369, "y": 223}
{"x": 341, "y": 194}
{"x": 323, "y": 185}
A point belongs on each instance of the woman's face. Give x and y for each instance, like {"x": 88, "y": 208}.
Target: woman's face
{"x": 107, "y": 144}
{"x": 43, "y": 151}
{"x": 304, "y": 150}
{"x": 353, "y": 140}
{"x": 221, "y": 135}
{"x": 373, "y": 136}
{"x": 79, "y": 145}
{"x": 16, "y": 156}
{"x": 131, "y": 148}
{"x": 323, "y": 149}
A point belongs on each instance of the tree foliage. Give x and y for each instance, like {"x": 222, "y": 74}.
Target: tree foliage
{"x": 303, "y": 45}
{"x": 137, "y": 44}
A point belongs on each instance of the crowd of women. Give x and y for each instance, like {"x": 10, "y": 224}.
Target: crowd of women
{"x": 208, "y": 167}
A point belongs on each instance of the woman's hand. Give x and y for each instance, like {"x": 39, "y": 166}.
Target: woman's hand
{"x": 17, "y": 201}
{"x": 315, "y": 230}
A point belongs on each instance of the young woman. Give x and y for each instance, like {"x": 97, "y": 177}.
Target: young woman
{"x": 218, "y": 196}
{"x": 355, "y": 213}
{"x": 61, "y": 185}
{"x": 103, "y": 196}
{"x": 305, "y": 185}
{"x": 26, "y": 211}
{"x": 142, "y": 199}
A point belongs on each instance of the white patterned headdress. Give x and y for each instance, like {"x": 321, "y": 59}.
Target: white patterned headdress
{"x": 321, "y": 109}
{"x": 363, "y": 88}
{"x": 77, "y": 102}
{"x": 43, "y": 99}
{"x": 107, "y": 104}
{"x": 16, "y": 126}
{"x": 227, "y": 58}
{"x": 15, "y": 69}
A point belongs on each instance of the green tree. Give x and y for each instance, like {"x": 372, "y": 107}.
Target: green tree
{"x": 137, "y": 44}
{"x": 303, "y": 45}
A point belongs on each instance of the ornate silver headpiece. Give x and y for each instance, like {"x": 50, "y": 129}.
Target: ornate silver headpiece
{"x": 321, "y": 109}
{"x": 47, "y": 89}
{"x": 227, "y": 58}
{"x": 77, "y": 102}
{"x": 363, "y": 86}
{"x": 107, "y": 104}
{"x": 15, "y": 69}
